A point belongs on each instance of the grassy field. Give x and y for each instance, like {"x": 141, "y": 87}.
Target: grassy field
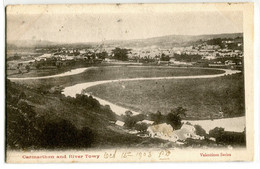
{"x": 41, "y": 72}
{"x": 35, "y": 72}
{"x": 109, "y": 73}
{"x": 201, "y": 97}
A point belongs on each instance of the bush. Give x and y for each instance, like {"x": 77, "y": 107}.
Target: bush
{"x": 22, "y": 130}
{"x": 64, "y": 134}
{"x": 120, "y": 54}
{"x": 175, "y": 116}
{"x": 200, "y": 131}
{"x": 157, "y": 117}
{"x": 228, "y": 138}
{"x": 129, "y": 122}
{"x": 142, "y": 127}
{"x": 216, "y": 132}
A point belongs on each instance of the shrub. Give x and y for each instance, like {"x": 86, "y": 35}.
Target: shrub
{"x": 228, "y": 138}
{"x": 63, "y": 134}
{"x": 142, "y": 127}
{"x": 175, "y": 116}
{"x": 200, "y": 131}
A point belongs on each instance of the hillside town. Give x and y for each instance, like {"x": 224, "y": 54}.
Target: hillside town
{"x": 207, "y": 53}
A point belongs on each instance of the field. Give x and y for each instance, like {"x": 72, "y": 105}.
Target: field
{"x": 119, "y": 72}
{"x": 14, "y": 73}
{"x": 35, "y": 72}
{"x": 203, "y": 98}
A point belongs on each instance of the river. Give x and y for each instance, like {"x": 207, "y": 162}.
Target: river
{"x": 230, "y": 124}
{"x": 236, "y": 124}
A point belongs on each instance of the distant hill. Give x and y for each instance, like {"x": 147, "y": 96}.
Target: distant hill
{"x": 170, "y": 40}
{"x": 29, "y": 44}
{"x": 162, "y": 41}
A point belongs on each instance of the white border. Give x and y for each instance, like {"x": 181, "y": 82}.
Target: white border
{"x": 237, "y": 165}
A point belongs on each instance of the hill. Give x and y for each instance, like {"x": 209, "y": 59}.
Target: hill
{"x": 47, "y": 121}
{"x": 162, "y": 41}
{"x": 170, "y": 40}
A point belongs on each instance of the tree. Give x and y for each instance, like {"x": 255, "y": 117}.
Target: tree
{"x": 27, "y": 67}
{"x": 130, "y": 122}
{"x": 157, "y": 117}
{"x": 175, "y": 116}
{"x": 16, "y": 57}
{"x": 227, "y": 137}
{"x": 102, "y": 55}
{"x": 19, "y": 68}
{"x": 86, "y": 137}
{"x": 142, "y": 127}
{"x": 120, "y": 54}
{"x": 38, "y": 65}
{"x": 128, "y": 113}
{"x": 22, "y": 95}
{"x": 216, "y": 132}
{"x": 60, "y": 134}
{"x": 165, "y": 57}
{"x": 200, "y": 131}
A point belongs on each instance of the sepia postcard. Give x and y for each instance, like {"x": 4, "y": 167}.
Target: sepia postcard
{"x": 129, "y": 83}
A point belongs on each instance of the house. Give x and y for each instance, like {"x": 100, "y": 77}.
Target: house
{"x": 186, "y": 131}
{"x": 212, "y": 139}
{"x": 146, "y": 122}
{"x": 163, "y": 131}
{"x": 189, "y": 127}
{"x": 182, "y": 134}
{"x": 56, "y": 89}
{"x": 108, "y": 60}
{"x": 209, "y": 57}
{"x": 172, "y": 61}
{"x": 163, "y": 62}
{"x": 229, "y": 62}
{"x": 120, "y": 123}
{"x": 133, "y": 132}
{"x": 166, "y": 132}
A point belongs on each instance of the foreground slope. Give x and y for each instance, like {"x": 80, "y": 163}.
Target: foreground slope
{"x": 37, "y": 121}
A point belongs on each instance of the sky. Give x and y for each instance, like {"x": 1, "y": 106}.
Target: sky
{"x": 73, "y": 27}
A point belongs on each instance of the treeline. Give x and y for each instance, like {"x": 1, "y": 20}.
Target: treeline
{"x": 173, "y": 118}
{"x": 228, "y": 137}
{"x": 187, "y": 58}
{"x": 233, "y": 46}
{"x": 120, "y": 54}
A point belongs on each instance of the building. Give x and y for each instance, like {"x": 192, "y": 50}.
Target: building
{"x": 146, "y": 122}
{"x": 165, "y": 131}
{"x": 120, "y": 123}
{"x": 186, "y": 131}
